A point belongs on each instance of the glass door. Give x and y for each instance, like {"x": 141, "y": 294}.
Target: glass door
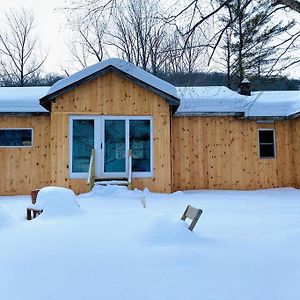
{"x": 111, "y": 137}
{"x": 114, "y": 148}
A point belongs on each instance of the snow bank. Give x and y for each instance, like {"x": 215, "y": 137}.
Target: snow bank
{"x": 246, "y": 246}
{"x": 4, "y": 218}
{"x": 109, "y": 190}
{"x": 57, "y": 201}
{"x": 166, "y": 231}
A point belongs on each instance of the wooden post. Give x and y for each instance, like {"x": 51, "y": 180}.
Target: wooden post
{"x": 129, "y": 168}
{"x": 91, "y": 172}
{"x": 34, "y": 195}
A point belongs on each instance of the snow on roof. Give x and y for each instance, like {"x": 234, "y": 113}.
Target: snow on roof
{"x": 22, "y": 99}
{"x": 209, "y": 99}
{"x": 121, "y": 65}
{"x": 274, "y": 104}
{"x": 221, "y": 100}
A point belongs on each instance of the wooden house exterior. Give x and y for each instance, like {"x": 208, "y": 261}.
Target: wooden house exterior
{"x": 113, "y": 107}
{"x": 222, "y": 153}
{"x": 111, "y": 95}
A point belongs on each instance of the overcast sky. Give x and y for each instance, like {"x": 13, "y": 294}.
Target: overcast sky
{"x": 51, "y": 26}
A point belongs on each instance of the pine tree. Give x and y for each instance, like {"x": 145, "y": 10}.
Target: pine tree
{"x": 250, "y": 39}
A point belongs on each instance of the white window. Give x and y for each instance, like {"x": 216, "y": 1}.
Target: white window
{"x": 16, "y": 137}
{"x": 266, "y": 140}
{"x": 111, "y": 137}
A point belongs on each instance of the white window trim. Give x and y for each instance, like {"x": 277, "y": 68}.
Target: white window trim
{"x": 274, "y": 143}
{"x": 22, "y": 146}
{"x": 77, "y": 175}
{"x": 99, "y": 136}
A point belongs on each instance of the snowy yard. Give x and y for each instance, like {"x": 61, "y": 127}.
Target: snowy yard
{"x": 246, "y": 245}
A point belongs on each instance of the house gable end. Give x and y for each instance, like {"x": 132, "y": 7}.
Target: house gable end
{"x": 46, "y": 100}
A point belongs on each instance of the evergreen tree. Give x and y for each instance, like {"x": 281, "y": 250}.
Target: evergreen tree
{"x": 250, "y": 41}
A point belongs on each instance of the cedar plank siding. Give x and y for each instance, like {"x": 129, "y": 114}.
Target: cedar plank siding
{"x": 27, "y": 168}
{"x": 111, "y": 94}
{"x": 222, "y": 153}
{"x": 296, "y": 141}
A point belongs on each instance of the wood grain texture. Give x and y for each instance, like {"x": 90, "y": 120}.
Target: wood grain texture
{"x": 296, "y": 148}
{"x": 222, "y": 153}
{"x": 111, "y": 94}
{"x": 26, "y": 168}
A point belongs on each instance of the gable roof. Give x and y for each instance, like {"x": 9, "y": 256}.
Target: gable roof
{"x": 141, "y": 77}
{"x": 23, "y": 100}
{"x": 220, "y": 100}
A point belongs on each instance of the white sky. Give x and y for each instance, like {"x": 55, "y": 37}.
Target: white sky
{"x": 51, "y": 27}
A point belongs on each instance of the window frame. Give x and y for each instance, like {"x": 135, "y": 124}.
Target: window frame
{"x": 99, "y": 138}
{"x": 20, "y": 146}
{"x": 77, "y": 175}
{"x": 274, "y": 143}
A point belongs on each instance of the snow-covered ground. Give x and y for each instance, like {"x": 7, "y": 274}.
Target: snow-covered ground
{"x": 245, "y": 246}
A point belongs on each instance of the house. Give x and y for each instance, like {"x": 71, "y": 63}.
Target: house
{"x": 184, "y": 138}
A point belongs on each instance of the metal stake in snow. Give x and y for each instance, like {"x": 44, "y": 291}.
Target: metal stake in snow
{"x": 143, "y": 201}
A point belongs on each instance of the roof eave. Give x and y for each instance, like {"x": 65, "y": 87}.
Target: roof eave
{"x": 25, "y": 114}
{"x": 209, "y": 114}
{"x": 294, "y": 115}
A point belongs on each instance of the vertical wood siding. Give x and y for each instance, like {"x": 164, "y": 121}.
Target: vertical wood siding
{"x": 296, "y": 141}
{"x": 222, "y": 153}
{"x": 111, "y": 94}
{"x": 27, "y": 168}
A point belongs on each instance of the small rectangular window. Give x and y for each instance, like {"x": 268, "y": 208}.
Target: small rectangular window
{"x": 266, "y": 143}
{"x": 16, "y": 137}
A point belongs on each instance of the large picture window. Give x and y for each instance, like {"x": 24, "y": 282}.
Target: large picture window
{"x": 267, "y": 147}
{"x": 111, "y": 137}
{"x": 16, "y": 137}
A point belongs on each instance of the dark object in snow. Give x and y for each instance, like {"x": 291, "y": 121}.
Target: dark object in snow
{"x": 193, "y": 214}
{"x": 34, "y": 195}
{"x": 33, "y": 213}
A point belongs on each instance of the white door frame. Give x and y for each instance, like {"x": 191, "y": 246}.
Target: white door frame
{"x": 99, "y": 145}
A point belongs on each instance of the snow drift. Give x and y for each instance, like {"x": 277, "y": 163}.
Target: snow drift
{"x": 4, "y": 218}
{"x": 57, "y": 201}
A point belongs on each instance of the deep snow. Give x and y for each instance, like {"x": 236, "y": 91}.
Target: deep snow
{"x": 245, "y": 246}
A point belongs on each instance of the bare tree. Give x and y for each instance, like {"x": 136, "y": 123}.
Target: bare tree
{"x": 21, "y": 59}
{"x": 142, "y": 34}
{"x": 139, "y": 33}
{"x": 88, "y": 44}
